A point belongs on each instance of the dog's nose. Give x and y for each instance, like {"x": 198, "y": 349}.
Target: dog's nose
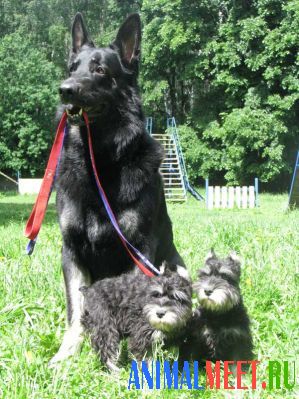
{"x": 160, "y": 313}
{"x": 208, "y": 292}
{"x": 67, "y": 91}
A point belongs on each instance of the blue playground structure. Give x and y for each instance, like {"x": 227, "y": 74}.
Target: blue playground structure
{"x": 173, "y": 167}
{"x": 294, "y": 190}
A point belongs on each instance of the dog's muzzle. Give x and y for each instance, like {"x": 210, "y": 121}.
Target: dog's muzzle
{"x": 75, "y": 114}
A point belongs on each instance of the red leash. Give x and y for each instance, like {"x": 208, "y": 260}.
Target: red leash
{"x": 37, "y": 215}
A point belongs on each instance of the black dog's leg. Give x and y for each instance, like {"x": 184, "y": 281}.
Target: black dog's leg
{"x": 74, "y": 277}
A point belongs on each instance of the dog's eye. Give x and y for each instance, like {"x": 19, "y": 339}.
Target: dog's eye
{"x": 157, "y": 294}
{"x": 204, "y": 274}
{"x": 227, "y": 278}
{"x": 74, "y": 66}
{"x": 100, "y": 70}
{"x": 178, "y": 298}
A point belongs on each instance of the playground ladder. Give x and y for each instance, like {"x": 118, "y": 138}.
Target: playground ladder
{"x": 173, "y": 167}
{"x": 171, "y": 125}
{"x": 170, "y": 169}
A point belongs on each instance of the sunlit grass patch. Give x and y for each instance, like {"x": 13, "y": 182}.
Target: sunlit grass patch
{"x": 32, "y": 305}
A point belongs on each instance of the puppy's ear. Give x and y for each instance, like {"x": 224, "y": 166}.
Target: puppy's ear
{"x": 79, "y": 34}
{"x": 235, "y": 262}
{"x": 183, "y": 272}
{"x": 167, "y": 268}
{"x": 83, "y": 290}
{"x": 211, "y": 255}
{"x": 128, "y": 41}
{"x": 234, "y": 257}
{"x": 163, "y": 267}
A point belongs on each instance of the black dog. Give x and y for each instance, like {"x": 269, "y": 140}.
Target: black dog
{"x": 144, "y": 310}
{"x": 103, "y": 83}
{"x": 220, "y": 327}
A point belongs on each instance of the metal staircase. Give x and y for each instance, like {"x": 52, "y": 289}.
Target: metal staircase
{"x": 173, "y": 167}
{"x": 171, "y": 125}
{"x": 170, "y": 169}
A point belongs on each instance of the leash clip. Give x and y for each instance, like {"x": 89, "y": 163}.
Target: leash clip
{"x": 30, "y": 247}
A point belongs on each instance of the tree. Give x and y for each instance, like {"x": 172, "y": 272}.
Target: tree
{"x": 28, "y": 87}
{"x": 174, "y": 34}
{"x": 226, "y": 69}
{"x": 249, "y": 110}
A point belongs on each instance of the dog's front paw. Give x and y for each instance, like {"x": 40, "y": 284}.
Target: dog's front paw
{"x": 64, "y": 353}
{"x": 112, "y": 366}
{"x": 57, "y": 359}
{"x": 71, "y": 344}
{"x": 60, "y": 356}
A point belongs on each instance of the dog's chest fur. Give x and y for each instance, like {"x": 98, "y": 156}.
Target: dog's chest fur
{"x": 132, "y": 184}
{"x": 218, "y": 336}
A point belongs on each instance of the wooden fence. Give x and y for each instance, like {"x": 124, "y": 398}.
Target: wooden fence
{"x": 230, "y": 197}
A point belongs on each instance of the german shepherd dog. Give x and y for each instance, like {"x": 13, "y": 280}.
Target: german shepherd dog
{"x": 103, "y": 83}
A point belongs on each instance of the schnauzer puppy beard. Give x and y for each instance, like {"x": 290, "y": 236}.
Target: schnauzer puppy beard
{"x": 167, "y": 313}
{"x": 218, "y": 286}
{"x": 166, "y": 318}
{"x": 217, "y": 297}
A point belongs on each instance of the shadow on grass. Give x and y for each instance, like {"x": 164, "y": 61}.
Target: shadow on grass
{"x": 16, "y": 213}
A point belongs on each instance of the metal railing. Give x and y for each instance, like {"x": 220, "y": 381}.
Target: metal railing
{"x": 149, "y": 125}
{"x": 171, "y": 125}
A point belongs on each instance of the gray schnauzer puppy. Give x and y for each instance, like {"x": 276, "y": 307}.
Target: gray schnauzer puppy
{"x": 137, "y": 307}
{"x": 219, "y": 328}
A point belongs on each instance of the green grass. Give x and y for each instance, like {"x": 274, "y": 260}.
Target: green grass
{"x": 32, "y": 306}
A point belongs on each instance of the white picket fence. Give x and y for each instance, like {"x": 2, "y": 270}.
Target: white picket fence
{"x": 230, "y": 197}
{"x": 29, "y": 186}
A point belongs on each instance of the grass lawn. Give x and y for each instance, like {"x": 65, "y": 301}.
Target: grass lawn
{"x": 32, "y": 305}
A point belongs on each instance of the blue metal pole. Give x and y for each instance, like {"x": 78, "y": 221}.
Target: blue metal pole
{"x": 294, "y": 174}
{"x": 256, "y": 190}
{"x": 207, "y": 192}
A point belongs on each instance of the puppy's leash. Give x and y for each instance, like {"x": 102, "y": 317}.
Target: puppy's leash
{"x": 38, "y": 212}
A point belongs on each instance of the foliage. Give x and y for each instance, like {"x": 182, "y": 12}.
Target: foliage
{"x": 246, "y": 120}
{"x": 28, "y": 87}
{"x": 251, "y": 145}
{"x": 208, "y": 63}
{"x": 201, "y": 159}
{"x": 245, "y": 144}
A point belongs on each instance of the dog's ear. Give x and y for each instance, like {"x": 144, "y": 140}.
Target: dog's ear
{"x": 167, "y": 268}
{"x": 234, "y": 257}
{"x": 79, "y": 34}
{"x": 235, "y": 262}
{"x": 128, "y": 41}
{"x": 211, "y": 255}
{"x": 183, "y": 272}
